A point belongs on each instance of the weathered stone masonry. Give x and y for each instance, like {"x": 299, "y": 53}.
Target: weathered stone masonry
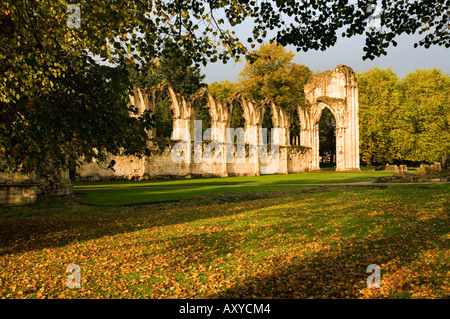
{"x": 20, "y": 189}
{"x": 336, "y": 90}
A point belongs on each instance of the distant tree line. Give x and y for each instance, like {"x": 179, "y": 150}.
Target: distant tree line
{"x": 400, "y": 120}
{"x": 404, "y": 120}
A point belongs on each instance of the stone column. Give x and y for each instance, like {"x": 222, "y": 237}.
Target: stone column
{"x": 315, "y": 147}
{"x": 219, "y": 131}
{"x": 252, "y": 138}
{"x": 341, "y": 150}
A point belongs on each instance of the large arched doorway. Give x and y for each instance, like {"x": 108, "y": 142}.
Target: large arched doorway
{"x": 338, "y": 91}
{"x": 328, "y": 136}
{"x": 327, "y": 139}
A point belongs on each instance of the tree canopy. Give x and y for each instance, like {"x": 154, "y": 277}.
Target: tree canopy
{"x": 37, "y": 45}
{"x": 404, "y": 120}
{"x": 222, "y": 90}
{"x": 175, "y": 67}
{"x": 421, "y": 130}
{"x": 89, "y": 120}
{"x": 378, "y": 99}
{"x": 42, "y": 55}
{"x": 273, "y": 75}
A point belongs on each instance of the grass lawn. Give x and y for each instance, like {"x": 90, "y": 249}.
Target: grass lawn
{"x": 308, "y": 243}
{"x": 151, "y": 191}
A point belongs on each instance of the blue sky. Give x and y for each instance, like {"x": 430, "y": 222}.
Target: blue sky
{"x": 402, "y": 59}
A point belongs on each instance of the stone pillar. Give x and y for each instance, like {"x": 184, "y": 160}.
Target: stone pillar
{"x": 352, "y": 132}
{"x": 315, "y": 147}
{"x": 219, "y": 134}
{"x": 252, "y": 138}
{"x": 342, "y": 155}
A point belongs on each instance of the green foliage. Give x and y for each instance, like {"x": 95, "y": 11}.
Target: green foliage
{"x": 378, "y": 99}
{"x": 204, "y": 115}
{"x": 319, "y": 23}
{"x": 327, "y": 135}
{"x": 267, "y": 121}
{"x": 404, "y": 120}
{"x": 294, "y": 129}
{"x": 237, "y": 117}
{"x": 175, "y": 67}
{"x": 41, "y": 56}
{"x": 163, "y": 119}
{"x": 273, "y": 75}
{"x": 422, "y": 131}
{"x": 222, "y": 90}
{"x": 58, "y": 127}
{"x": 125, "y": 30}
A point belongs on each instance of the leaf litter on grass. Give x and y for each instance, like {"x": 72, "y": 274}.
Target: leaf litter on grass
{"x": 306, "y": 245}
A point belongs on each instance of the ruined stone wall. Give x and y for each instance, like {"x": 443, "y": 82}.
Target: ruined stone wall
{"x": 21, "y": 189}
{"x": 160, "y": 165}
{"x": 336, "y": 90}
{"x": 125, "y": 167}
{"x": 298, "y": 159}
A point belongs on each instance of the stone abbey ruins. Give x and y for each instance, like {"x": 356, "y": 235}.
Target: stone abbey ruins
{"x": 336, "y": 90}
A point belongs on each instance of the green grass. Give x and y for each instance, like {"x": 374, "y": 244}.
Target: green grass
{"x": 314, "y": 244}
{"x": 136, "y": 195}
{"x": 302, "y": 178}
{"x": 152, "y": 191}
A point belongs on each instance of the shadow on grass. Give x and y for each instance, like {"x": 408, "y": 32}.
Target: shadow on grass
{"x": 300, "y": 178}
{"x": 144, "y": 195}
{"x": 56, "y": 222}
{"x": 335, "y": 272}
{"x": 322, "y": 263}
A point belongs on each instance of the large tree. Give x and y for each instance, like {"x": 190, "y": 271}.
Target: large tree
{"x": 378, "y": 100}
{"x": 40, "y": 52}
{"x": 222, "y": 90}
{"x": 177, "y": 68}
{"x": 87, "y": 119}
{"x": 174, "y": 66}
{"x": 273, "y": 75}
{"x": 327, "y": 137}
{"x": 421, "y": 131}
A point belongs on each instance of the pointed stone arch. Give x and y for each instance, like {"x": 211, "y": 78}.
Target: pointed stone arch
{"x": 247, "y": 107}
{"x": 179, "y": 107}
{"x": 280, "y": 119}
{"x": 336, "y": 90}
{"x": 196, "y": 102}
